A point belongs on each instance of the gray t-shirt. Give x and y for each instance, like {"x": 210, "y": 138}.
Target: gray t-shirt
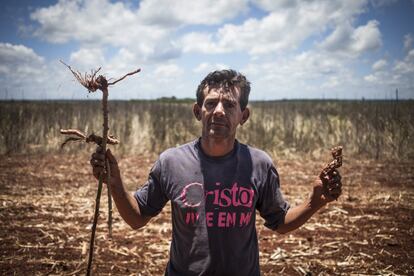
{"x": 213, "y": 203}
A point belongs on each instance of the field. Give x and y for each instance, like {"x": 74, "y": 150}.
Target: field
{"x": 47, "y": 195}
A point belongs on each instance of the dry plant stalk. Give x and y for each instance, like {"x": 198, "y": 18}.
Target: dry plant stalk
{"x": 332, "y": 188}
{"x": 92, "y": 138}
{"x": 93, "y": 83}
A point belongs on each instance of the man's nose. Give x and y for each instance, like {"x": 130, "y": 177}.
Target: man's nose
{"x": 219, "y": 110}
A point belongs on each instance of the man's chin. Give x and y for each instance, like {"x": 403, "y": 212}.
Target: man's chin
{"x": 218, "y": 134}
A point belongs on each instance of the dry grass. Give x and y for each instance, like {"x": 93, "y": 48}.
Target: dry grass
{"x": 47, "y": 205}
{"x": 369, "y": 129}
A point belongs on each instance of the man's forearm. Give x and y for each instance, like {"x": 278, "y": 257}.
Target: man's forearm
{"x": 127, "y": 205}
{"x": 297, "y": 216}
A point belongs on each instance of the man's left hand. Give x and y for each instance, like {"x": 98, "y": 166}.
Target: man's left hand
{"x": 327, "y": 189}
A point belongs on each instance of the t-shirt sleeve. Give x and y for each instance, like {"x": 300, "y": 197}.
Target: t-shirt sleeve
{"x": 151, "y": 197}
{"x": 271, "y": 204}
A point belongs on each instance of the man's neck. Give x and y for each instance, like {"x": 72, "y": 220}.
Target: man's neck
{"x": 217, "y": 147}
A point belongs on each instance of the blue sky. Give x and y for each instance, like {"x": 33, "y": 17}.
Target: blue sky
{"x": 286, "y": 48}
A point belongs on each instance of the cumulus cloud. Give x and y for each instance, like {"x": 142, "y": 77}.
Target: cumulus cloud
{"x": 271, "y": 5}
{"x": 408, "y": 42}
{"x": 400, "y": 76}
{"x": 87, "y": 58}
{"x": 382, "y": 3}
{"x": 371, "y": 78}
{"x": 205, "y": 12}
{"x": 19, "y": 63}
{"x": 16, "y": 55}
{"x": 405, "y": 66}
{"x": 84, "y": 21}
{"x": 148, "y": 30}
{"x": 308, "y": 74}
{"x": 379, "y": 65}
{"x": 201, "y": 43}
{"x": 293, "y": 49}
{"x": 168, "y": 71}
{"x": 24, "y": 73}
{"x": 285, "y": 28}
{"x": 354, "y": 41}
{"x": 119, "y": 26}
{"x": 206, "y": 67}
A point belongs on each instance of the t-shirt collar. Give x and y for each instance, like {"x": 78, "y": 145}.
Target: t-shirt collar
{"x": 218, "y": 158}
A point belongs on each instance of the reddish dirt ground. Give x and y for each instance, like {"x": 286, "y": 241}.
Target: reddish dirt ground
{"x": 47, "y": 202}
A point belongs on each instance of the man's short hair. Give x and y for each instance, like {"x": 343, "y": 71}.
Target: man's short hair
{"x": 225, "y": 78}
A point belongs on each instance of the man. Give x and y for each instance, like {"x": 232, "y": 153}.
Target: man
{"x": 215, "y": 185}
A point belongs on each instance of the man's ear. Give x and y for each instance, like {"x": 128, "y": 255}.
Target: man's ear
{"x": 197, "y": 111}
{"x": 245, "y": 115}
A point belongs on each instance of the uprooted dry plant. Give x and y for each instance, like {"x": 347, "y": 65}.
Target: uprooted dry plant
{"x": 93, "y": 83}
{"x": 330, "y": 172}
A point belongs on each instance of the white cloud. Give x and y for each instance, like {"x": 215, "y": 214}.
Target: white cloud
{"x": 285, "y": 28}
{"x": 335, "y": 9}
{"x": 379, "y": 65}
{"x": 102, "y": 23}
{"x": 382, "y": 3}
{"x": 371, "y": 78}
{"x": 87, "y": 58}
{"x": 11, "y": 54}
{"x": 309, "y": 74}
{"x": 202, "y": 43}
{"x": 149, "y": 31}
{"x": 408, "y": 42}
{"x": 84, "y": 21}
{"x": 271, "y": 5}
{"x": 157, "y": 81}
{"x": 366, "y": 37}
{"x": 206, "y": 67}
{"x": 168, "y": 71}
{"x": 206, "y": 12}
{"x": 406, "y": 66}
{"x": 400, "y": 76}
{"x": 295, "y": 49}
{"x": 26, "y": 74}
{"x": 19, "y": 64}
{"x": 353, "y": 42}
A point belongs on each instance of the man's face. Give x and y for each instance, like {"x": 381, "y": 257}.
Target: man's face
{"x": 221, "y": 113}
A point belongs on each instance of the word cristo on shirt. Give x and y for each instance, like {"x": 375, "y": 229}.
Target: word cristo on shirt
{"x": 237, "y": 198}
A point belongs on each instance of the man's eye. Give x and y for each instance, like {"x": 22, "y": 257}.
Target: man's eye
{"x": 209, "y": 104}
{"x": 229, "y": 105}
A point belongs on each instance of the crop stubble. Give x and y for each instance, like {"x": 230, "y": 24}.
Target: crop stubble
{"x": 46, "y": 204}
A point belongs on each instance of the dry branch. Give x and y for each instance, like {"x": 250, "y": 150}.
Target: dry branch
{"x": 126, "y": 75}
{"x": 91, "y": 138}
{"x": 93, "y": 83}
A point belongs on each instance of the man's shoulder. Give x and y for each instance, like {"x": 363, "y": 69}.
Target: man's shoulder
{"x": 257, "y": 155}
{"x": 178, "y": 151}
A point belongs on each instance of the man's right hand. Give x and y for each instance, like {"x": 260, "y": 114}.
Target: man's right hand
{"x": 98, "y": 165}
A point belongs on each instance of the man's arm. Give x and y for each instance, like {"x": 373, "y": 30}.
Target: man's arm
{"x": 126, "y": 204}
{"x": 297, "y": 216}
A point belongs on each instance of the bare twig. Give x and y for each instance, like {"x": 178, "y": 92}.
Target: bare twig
{"x": 129, "y": 74}
{"x": 74, "y": 139}
{"x": 91, "y": 138}
{"x": 88, "y": 80}
{"x": 73, "y": 132}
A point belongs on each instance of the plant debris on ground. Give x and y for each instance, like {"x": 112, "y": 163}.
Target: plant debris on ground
{"x": 46, "y": 210}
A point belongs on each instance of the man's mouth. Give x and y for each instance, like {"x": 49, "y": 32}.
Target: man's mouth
{"x": 218, "y": 124}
